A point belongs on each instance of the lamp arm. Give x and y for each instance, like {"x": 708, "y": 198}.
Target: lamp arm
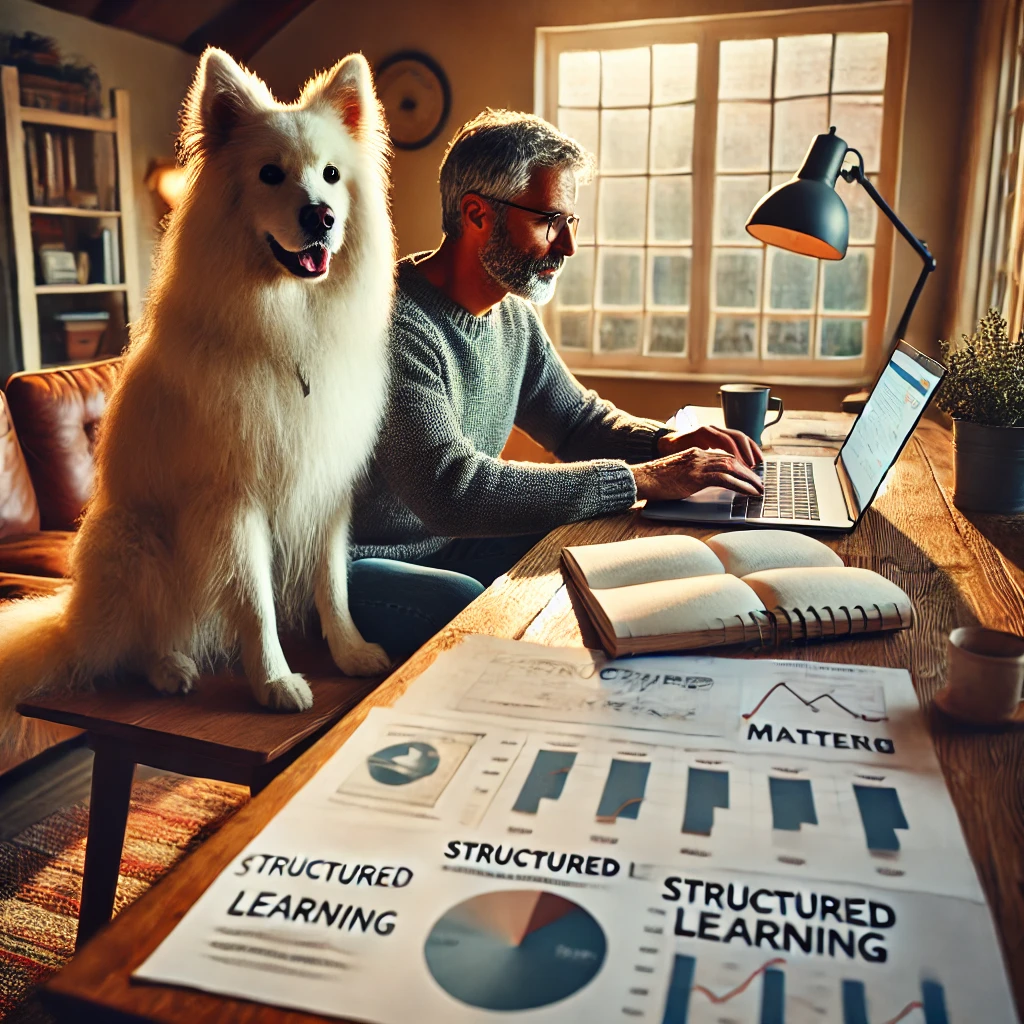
{"x": 856, "y": 173}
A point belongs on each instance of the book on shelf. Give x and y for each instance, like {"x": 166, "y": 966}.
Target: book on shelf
{"x": 101, "y": 252}
{"x": 53, "y": 168}
{"x": 36, "y": 187}
{"x": 762, "y": 587}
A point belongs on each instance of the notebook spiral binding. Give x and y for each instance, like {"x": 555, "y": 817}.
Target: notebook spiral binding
{"x": 778, "y": 625}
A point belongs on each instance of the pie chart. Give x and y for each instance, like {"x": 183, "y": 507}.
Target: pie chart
{"x": 514, "y": 950}
{"x": 403, "y": 763}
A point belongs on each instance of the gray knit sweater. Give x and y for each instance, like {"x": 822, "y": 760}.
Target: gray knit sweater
{"x": 459, "y": 383}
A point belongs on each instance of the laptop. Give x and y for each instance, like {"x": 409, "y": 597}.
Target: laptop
{"x": 819, "y": 492}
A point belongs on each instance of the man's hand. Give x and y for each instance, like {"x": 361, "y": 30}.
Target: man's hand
{"x": 732, "y": 442}
{"x": 685, "y": 473}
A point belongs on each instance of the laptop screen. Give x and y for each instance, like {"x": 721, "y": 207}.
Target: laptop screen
{"x": 893, "y": 408}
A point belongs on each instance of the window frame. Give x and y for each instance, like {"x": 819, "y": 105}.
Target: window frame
{"x": 890, "y": 16}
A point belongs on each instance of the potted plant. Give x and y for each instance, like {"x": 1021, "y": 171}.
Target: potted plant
{"x": 984, "y": 393}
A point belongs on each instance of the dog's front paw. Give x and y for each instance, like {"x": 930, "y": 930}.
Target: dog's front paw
{"x": 362, "y": 659}
{"x": 173, "y": 673}
{"x": 287, "y": 693}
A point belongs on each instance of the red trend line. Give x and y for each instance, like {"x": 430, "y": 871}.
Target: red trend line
{"x": 811, "y": 703}
{"x": 739, "y": 988}
{"x": 906, "y": 1009}
{"x": 605, "y": 818}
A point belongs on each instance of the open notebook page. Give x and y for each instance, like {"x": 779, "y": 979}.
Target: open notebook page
{"x": 644, "y": 560}
{"x": 747, "y": 551}
{"x": 677, "y": 605}
{"x": 825, "y": 589}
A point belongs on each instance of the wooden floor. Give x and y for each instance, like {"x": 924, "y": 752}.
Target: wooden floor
{"x": 58, "y": 778}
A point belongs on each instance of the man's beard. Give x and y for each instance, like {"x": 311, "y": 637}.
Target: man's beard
{"x": 517, "y": 271}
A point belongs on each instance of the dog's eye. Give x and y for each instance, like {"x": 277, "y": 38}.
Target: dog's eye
{"x": 271, "y": 174}
{"x": 331, "y": 174}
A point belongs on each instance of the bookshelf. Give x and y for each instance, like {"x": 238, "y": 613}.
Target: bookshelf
{"x": 45, "y": 215}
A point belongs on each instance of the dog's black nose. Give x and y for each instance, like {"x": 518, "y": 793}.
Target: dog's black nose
{"x": 316, "y": 218}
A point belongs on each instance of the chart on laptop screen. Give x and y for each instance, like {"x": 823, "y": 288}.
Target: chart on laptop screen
{"x": 895, "y": 405}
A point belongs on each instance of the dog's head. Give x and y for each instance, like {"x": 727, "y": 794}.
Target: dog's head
{"x": 288, "y": 173}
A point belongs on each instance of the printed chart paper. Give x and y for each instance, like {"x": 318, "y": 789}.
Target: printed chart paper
{"x": 463, "y": 864}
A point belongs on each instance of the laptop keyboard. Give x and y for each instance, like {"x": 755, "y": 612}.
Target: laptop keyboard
{"x": 788, "y": 493}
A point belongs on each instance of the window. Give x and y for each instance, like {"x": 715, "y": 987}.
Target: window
{"x": 1000, "y": 283}
{"x": 692, "y": 121}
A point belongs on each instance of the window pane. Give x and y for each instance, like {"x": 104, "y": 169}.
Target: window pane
{"x": 845, "y": 285}
{"x": 626, "y": 77}
{"x": 580, "y": 125}
{"x": 671, "y": 209}
{"x": 796, "y": 124}
{"x": 670, "y": 278}
{"x": 623, "y": 210}
{"x": 734, "y": 336}
{"x": 672, "y": 138}
{"x": 802, "y": 66}
{"x": 579, "y": 79}
{"x": 858, "y": 120}
{"x": 668, "y": 335}
{"x": 863, "y": 212}
{"x": 586, "y": 210}
{"x": 575, "y": 331}
{"x": 842, "y": 338}
{"x": 737, "y": 278}
{"x": 745, "y": 69}
{"x": 792, "y": 279}
{"x": 620, "y": 333}
{"x": 743, "y": 130}
{"x": 576, "y": 282}
{"x": 790, "y": 338}
{"x": 624, "y": 140}
{"x": 736, "y": 198}
{"x": 675, "y": 72}
{"x": 860, "y": 62}
{"x": 621, "y": 277}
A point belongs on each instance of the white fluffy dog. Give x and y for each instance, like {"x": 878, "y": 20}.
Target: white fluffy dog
{"x": 248, "y": 405}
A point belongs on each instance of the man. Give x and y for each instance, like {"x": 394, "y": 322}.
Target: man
{"x": 470, "y": 358}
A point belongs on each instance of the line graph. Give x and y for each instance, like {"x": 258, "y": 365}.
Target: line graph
{"x": 812, "y": 704}
{"x": 681, "y": 985}
{"x": 742, "y": 987}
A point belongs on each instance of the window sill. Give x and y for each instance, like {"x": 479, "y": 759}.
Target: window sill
{"x": 777, "y": 380}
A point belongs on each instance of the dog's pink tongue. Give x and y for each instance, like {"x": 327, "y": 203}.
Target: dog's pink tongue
{"x": 315, "y": 260}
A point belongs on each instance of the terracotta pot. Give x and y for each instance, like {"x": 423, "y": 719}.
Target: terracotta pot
{"x": 989, "y": 464}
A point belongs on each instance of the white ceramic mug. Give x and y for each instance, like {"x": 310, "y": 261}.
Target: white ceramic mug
{"x": 985, "y": 675}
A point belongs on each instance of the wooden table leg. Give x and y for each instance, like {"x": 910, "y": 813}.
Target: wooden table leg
{"x": 108, "y": 816}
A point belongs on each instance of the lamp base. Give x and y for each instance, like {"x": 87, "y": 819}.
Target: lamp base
{"x": 855, "y": 402}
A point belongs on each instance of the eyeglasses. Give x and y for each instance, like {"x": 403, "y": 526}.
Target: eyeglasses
{"x": 557, "y": 222}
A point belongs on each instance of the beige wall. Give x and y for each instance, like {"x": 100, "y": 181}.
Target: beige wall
{"x": 155, "y": 75}
{"x": 487, "y": 49}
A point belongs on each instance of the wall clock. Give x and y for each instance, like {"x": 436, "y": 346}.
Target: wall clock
{"x": 416, "y": 97}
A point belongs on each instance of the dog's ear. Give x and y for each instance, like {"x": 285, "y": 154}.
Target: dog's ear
{"x": 222, "y": 96}
{"x": 348, "y": 89}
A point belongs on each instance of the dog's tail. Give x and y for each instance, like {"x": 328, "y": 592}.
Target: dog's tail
{"x": 36, "y": 653}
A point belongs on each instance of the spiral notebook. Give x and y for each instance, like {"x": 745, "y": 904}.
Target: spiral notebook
{"x": 761, "y": 587}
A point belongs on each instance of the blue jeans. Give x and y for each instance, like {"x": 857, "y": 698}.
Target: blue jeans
{"x": 401, "y": 605}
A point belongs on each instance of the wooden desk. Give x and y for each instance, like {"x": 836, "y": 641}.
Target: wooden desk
{"x": 912, "y": 534}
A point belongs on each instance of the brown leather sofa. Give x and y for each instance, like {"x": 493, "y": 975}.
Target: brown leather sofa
{"x": 48, "y": 425}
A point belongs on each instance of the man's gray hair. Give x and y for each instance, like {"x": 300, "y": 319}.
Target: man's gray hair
{"x": 495, "y": 154}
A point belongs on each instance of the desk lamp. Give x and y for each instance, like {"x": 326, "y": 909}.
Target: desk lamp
{"x": 805, "y": 215}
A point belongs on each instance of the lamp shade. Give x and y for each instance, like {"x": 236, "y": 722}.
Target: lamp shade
{"x": 805, "y": 214}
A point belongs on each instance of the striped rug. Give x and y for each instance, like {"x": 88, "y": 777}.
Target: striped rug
{"x": 41, "y": 874}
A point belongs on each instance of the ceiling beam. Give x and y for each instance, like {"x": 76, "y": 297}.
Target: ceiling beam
{"x": 114, "y": 12}
{"x": 240, "y": 30}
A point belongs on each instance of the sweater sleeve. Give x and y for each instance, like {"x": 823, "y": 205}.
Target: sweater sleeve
{"x": 572, "y": 421}
{"x": 457, "y": 490}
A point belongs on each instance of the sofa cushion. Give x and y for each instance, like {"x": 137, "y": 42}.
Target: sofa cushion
{"x": 19, "y": 511}
{"x": 57, "y": 412}
{"x": 43, "y": 553}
